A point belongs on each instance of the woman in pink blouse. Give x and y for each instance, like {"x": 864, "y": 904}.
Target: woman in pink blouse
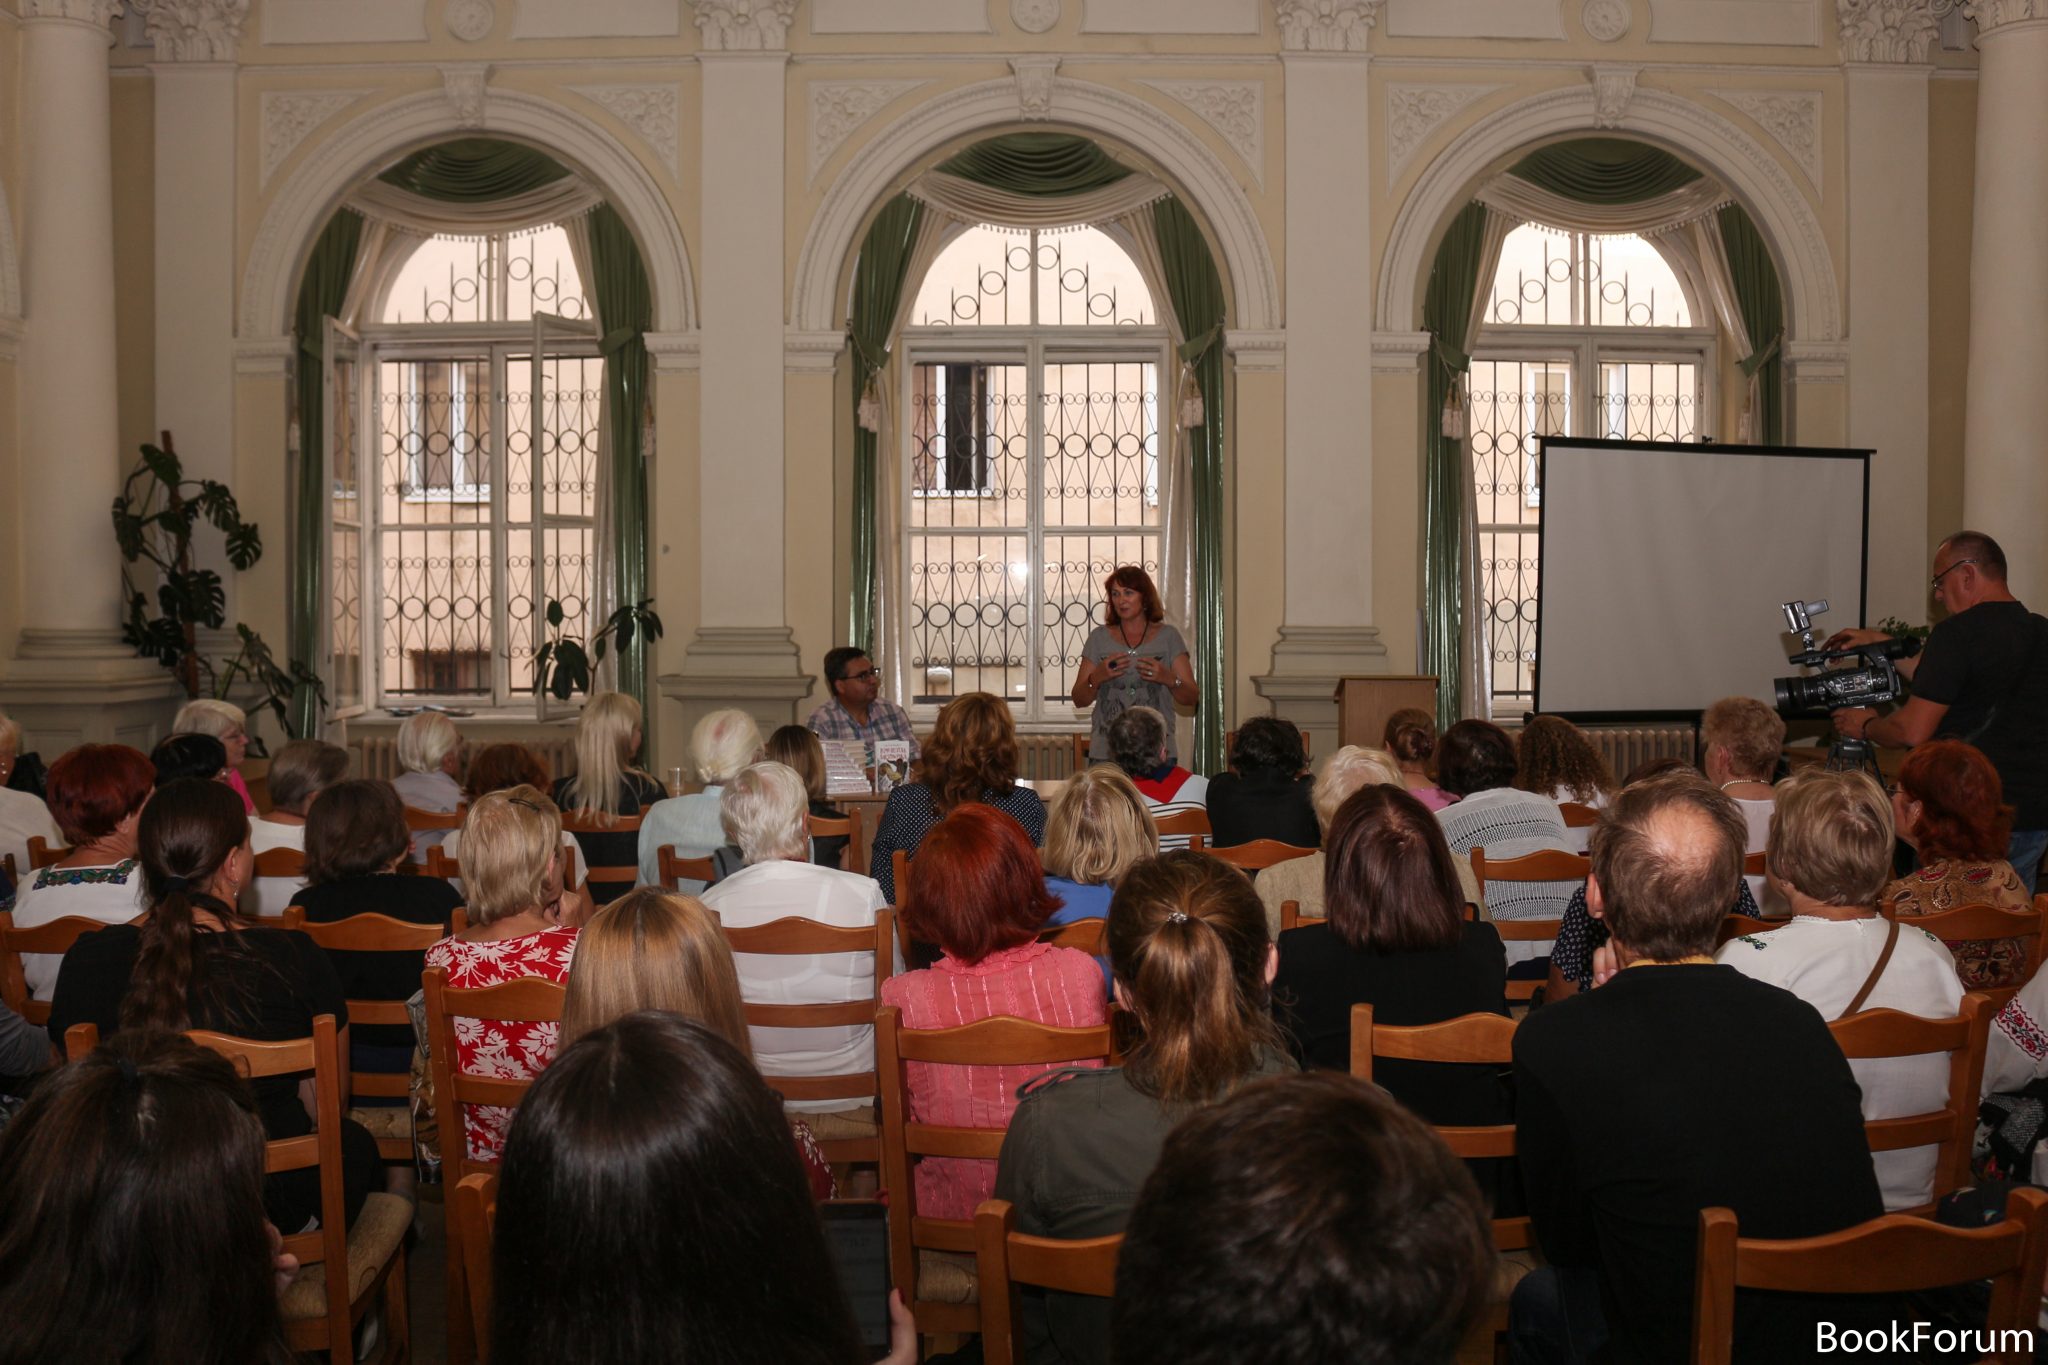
{"x": 977, "y": 891}
{"x": 522, "y": 923}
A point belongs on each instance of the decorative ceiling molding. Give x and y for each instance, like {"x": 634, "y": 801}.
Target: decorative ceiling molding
{"x": 674, "y": 352}
{"x": 649, "y": 110}
{"x": 10, "y": 263}
{"x": 1325, "y": 25}
{"x": 839, "y": 107}
{"x": 744, "y": 25}
{"x": 288, "y": 118}
{"x": 1256, "y": 351}
{"x": 1614, "y": 89}
{"x": 1235, "y": 109}
{"x": 98, "y": 13}
{"x": 1791, "y": 117}
{"x": 463, "y": 85}
{"x": 195, "y": 30}
{"x": 1035, "y": 16}
{"x": 1606, "y": 21}
{"x": 1994, "y": 14}
{"x": 1035, "y": 81}
{"x": 812, "y": 352}
{"x": 1886, "y": 30}
{"x": 1416, "y": 111}
{"x": 470, "y": 20}
{"x": 1399, "y": 352}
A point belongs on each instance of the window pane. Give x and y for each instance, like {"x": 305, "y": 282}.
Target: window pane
{"x": 1649, "y": 401}
{"x": 982, "y": 278}
{"x": 1554, "y": 278}
{"x": 448, "y": 279}
{"x": 572, "y": 394}
{"x": 969, "y": 425}
{"x": 1633, "y": 285}
{"x": 970, "y": 609}
{"x": 1102, "y": 444}
{"x": 541, "y": 276}
{"x": 1075, "y": 567}
{"x": 1514, "y": 403}
{"x": 1533, "y": 284}
{"x": 1086, "y": 280}
{"x": 437, "y": 610}
{"x": 565, "y": 577}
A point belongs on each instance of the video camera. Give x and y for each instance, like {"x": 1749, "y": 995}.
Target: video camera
{"x": 1835, "y": 689}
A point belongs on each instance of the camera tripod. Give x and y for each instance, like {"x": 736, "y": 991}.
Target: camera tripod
{"x": 1847, "y": 755}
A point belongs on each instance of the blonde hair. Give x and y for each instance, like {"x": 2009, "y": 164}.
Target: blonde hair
{"x": 425, "y": 740}
{"x": 765, "y": 810}
{"x": 1750, "y": 732}
{"x": 653, "y": 950}
{"x": 723, "y": 743}
{"x": 509, "y": 841}
{"x": 604, "y": 752}
{"x": 205, "y": 716}
{"x": 799, "y": 749}
{"x": 1347, "y": 770}
{"x": 1831, "y": 837}
{"x": 10, "y": 736}
{"x": 1099, "y": 828}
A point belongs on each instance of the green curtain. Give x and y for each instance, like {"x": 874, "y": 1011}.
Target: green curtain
{"x": 1755, "y": 277}
{"x": 877, "y": 291}
{"x": 1446, "y": 313}
{"x": 625, "y": 307}
{"x": 1042, "y": 164}
{"x": 1605, "y": 170}
{"x": 1196, "y": 292}
{"x": 322, "y": 292}
{"x": 474, "y": 170}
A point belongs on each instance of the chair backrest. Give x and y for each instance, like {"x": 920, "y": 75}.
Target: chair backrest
{"x": 281, "y": 862}
{"x": 621, "y": 875}
{"x": 855, "y": 857}
{"x": 1753, "y": 864}
{"x": 529, "y": 1000}
{"x": 1082, "y": 742}
{"x": 1953, "y": 1127}
{"x": 41, "y": 855}
{"x": 1739, "y": 926}
{"x": 675, "y": 871}
{"x": 1083, "y": 934}
{"x": 439, "y": 864}
{"x": 424, "y": 821}
{"x": 1292, "y": 918}
{"x": 1577, "y": 815}
{"x": 1546, "y": 865}
{"x": 1006, "y": 1259}
{"x": 1189, "y": 822}
{"x": 370, "y": 933}
{"x": 1982, "y": 923}
{"x": 809, "y": 938}
{"x": 1254, "y": 856}
{"x": 7, "y": 864}
{"x": 57, "y": 936}
{"x": 1481, "y": 1039}
{"x": 1889, "y": 1255}
{"x": 476, "y": 1209}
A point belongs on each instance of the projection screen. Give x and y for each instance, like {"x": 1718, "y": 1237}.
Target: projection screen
{"x": 1663, "y": 566}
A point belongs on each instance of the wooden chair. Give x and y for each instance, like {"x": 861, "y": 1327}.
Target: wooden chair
{"x": 341, "y": 1269}
{"x": 1753, "y": 864}
{"x": 855, "y": 857}
{"x": 1255, "y": 856}
{"x": 1005, "y": 1258}
{"x": 1981, "y": 923}
{"x": 41, "y": 855}
{"x": 391, "y": 1125}
{"x": 1890, "y": 1255}
{"x": 1084, "y": 934}
{"x": 1549, "y": 865}
{"x": 1190, "y": 824}
{"x": 937, "y": 1291}
{"x": 527, "y": 1001}
{"x": 675, "y": 871}
{"x": 439, "y": 864}
{"x": 622, "y": 876}
{"x": 843, "y": 1140}
{"x": 55, "y": 937}
{"x": 281, "y": 862}
{"x": 1082, "y": 742}
{"x": 1577, "y": 816}
{"x": 476, "y": 1211}
{"x": 1292, "y": 918}
{"x": 428, "y": 821}
{"x": 1953, "y": 1127}
{"x": 1739, "y": 926}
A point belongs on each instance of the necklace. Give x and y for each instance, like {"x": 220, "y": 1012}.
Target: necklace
{"x": 1125, "y": 636}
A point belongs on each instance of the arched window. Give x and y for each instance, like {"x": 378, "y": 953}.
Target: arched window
{"x": 1602, "y": 336}
{"x": 1030, "y": 452}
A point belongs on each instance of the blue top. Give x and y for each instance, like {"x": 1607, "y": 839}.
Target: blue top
{"x": 1078, "y": 900}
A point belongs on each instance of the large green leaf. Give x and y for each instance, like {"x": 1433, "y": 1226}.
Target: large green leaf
{"x": 164, "y": 465}
{"x": 245, "y": 544}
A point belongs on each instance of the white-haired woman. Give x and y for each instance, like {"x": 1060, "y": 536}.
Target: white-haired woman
{"x": 607, "y": 785}
{"x": 227, "y": 723}
{"x": 765, "y": 809}
{"x": 23, "y": 813}
{"x": 723, "y": 743}
{"x": 430, "y": 751}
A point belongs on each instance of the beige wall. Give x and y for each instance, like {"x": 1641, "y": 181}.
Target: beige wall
{"x": 1950, "y": 174}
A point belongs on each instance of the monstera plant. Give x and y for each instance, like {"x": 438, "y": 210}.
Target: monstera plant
{"x": 564, "y": 665}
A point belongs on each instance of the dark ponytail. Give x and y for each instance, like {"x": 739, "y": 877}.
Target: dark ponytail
{"x": 188, "y": 829}
{"x": 1188, "y": 941}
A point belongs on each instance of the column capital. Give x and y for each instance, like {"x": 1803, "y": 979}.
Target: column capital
{"x": 195, "y": 30}
{"x": 1886, "y": 30}
{"x": 744, "y": 25}
{"x": 1325, "y": 25}
{"x": 98, "y": 13}
{"x": 1992, "y": 15}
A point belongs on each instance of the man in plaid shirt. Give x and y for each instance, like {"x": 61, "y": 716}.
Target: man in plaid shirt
{"x": 857, "y": 710}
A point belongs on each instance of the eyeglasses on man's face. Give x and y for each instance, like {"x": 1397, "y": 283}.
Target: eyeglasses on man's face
{"x": 1935, "y": 581}
{"x": 857, "y": 677}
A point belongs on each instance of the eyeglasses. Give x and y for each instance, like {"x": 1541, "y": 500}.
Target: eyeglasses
{"x": 857, "y": 677}
{"x": 1936, "y": 580}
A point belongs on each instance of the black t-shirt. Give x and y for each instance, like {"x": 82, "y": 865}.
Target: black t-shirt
{"x": 1977, "y": 663}
{"x": 380, "y": 976}
{"x": 614, "y": 848}
{"x": 1262, "y": 805}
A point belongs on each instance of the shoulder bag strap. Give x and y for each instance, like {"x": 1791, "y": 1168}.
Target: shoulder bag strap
{"x": 1891, "y": 941}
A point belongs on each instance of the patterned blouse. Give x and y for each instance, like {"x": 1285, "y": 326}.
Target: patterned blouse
{"x": 1950, "y": 883}
{"x": 498, "y": 1048}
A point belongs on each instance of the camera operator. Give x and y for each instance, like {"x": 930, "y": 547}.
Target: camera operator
{"x": 1982, "y": 678}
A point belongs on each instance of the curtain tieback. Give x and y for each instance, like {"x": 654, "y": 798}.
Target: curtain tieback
{"x": 1195, "y": 347}
{"x": 1190, "y": 410}
{"x": 869, "y": 410}
{"x": 617, "y": 340}
{"x": 1764, "y": 354}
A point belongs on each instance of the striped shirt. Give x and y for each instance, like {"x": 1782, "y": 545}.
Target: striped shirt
{"x": 1508, "y": 823}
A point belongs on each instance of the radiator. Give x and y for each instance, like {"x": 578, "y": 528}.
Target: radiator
{"x": 377, "y": 755}
{"x": 1627, "y": 747}
{"x": 1045, "y": 758}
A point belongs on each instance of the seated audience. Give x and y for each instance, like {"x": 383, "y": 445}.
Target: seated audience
{"x": 1188, "y": 943}
{"x": 430, "y": 752}
{"x": 1305, "y": 1218}
{"x": 972, "y": 757}
{"x": 24, "y": 1051}
{"x": 192, "y": 961}
{"x": 797, "y": 749}
{"x": 23, "y": 814}
{"x": 1949, "y": 806}
{"x": 1099, "y": 828}
{"x": 1410, "y": 736}
{"x": 19, "y": 772}
{"x": 651, "y": 1208}
{"x": 356, "y": 841}
{"x": 977, "y": 892}
{"x": 97, "y": 793}
{"x": 500, "y": 767}
{"x": 1137, "y": 744}
{"x": 1830, "y": 854}
{"x": 1476, "y": 763}
{"x": 1265, "y": 795}
{"x": 607, "y": 785}
{"x": 301, "y": 771}
{"x": 2015, "y": 1112}
{"x": 1637, "y": 1104}
{"x": 131, "y": 1213}
{"x": 1554, "y": 758}
{"x": 522, "y": 923}
{"x": 765, "y": 814}
{"x": 1741, "y": 742}
{"x": 200, "y": 756}
{"x": 227, "y": 723}
{"x": 723, "y": 743}
{"x": 1396, "y": 939}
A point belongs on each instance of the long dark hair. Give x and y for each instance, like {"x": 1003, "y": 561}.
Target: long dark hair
{"x": 188, "y": 829}
{"x": 652, "y": 1207}
{"x": 131, "y": 1213}
{"x": 1389, "y": 881}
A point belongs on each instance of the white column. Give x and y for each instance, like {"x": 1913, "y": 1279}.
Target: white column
{"x": 1885, "y": 82}
{"x": 2005, "y": 480}
{"x": 1327, "y": 630}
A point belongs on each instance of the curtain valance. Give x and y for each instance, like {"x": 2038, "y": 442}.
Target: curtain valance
{"x": 972, "y": 202}
{"x": 1527, "y": 201}
{"x": 1604, "y": 170}
{"x": 425, "y": 216}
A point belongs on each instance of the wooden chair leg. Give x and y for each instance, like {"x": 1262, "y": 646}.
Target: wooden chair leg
{"x": 397, "y": 1312}
{"x": 461, "y": 1331}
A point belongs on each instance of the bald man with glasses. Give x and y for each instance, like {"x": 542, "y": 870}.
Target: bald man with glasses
{"x": 856, "y": 710}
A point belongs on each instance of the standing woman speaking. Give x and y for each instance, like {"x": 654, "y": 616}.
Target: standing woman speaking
{"x": 1133, "y": 659}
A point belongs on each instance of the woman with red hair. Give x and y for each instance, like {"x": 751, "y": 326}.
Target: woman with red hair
{"x": 1950, "y": 807}
{"x": 978, "y": 892}
{"x": 1133, "y": 659}
{"x": 97, "y": 793}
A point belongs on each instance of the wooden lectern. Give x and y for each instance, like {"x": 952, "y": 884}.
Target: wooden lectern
{"x": 1365, "y": 702}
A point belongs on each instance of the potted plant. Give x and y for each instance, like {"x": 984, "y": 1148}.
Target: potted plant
{"x": 564, "y": 665}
